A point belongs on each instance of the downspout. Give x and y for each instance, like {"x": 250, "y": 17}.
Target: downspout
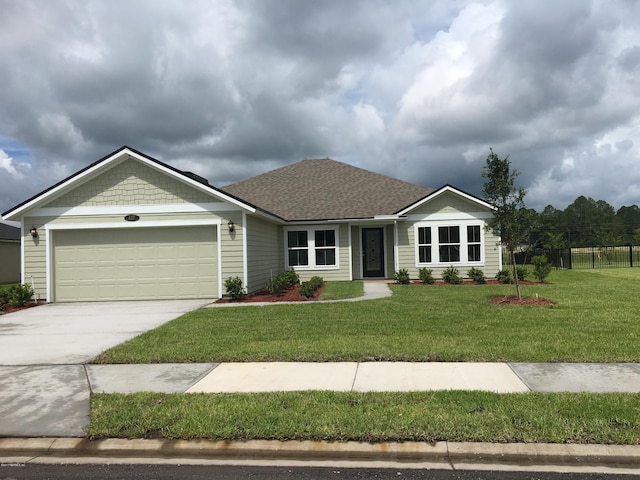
{"x": 350, "y": 252}
{"x": 22, "y": 262}
{"x": 245, "y": 261}
{"x": 396, "y": 260}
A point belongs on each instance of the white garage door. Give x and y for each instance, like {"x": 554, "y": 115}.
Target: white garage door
{"x": 135, "y": 263}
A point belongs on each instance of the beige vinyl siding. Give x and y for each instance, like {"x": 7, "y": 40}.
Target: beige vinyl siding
{"x": 264, "y": 252}
{"x": 9, "y": 261}
{"x": 231, "y": 244}
{"x": 388, "y": 251}
{"x": 492, "y": 254}
{"x": 406, "y": 253}
{"x": 35, "y": 255}
{"x": 131, "y": 182}
{"x": 356, "y": 251}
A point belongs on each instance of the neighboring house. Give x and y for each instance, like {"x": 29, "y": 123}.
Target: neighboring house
{"x": 131, "y": 227}
{"x": 9, "y": 253}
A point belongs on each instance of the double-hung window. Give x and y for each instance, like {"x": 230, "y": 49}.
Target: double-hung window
{"x": 298, "y": 247}
{"x": 312, "y": 249}
{"x": 474, "y": 243}
{"x": 449, "y": 244}
{"x": 325, "y": 243}
{"x": 424, "y": 244}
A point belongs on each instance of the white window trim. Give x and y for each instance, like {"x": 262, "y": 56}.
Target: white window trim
{"x": 435, "y": 243}
{"x": 311, "y": 247}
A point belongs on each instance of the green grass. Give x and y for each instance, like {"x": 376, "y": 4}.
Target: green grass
{"x": 342, "y": 290}
{"x": 373, "y": 417}
{"x": 595, "y": 320}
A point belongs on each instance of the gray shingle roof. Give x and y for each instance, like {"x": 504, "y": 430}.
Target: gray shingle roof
{"x": 324, "y": 189}
{"x": 9, "y": 232}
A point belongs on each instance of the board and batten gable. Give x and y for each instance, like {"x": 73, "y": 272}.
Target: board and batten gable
{"x": 130, "y": 187}
{"x": 447, "y": 209}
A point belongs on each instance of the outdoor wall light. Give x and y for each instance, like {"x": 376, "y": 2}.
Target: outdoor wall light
{"x": 33, "y": 232}
{"x": 231, "y": 226}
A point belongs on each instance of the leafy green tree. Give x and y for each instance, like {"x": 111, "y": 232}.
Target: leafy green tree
{"x": 509, "y": 220}
{"x": 592, "y": 223}
{"x": 552, "y": 228}
{"x": 629, "y": 217}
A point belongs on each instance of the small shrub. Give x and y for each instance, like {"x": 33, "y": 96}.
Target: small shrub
{"x": 426, "y": 276}
{"x": 19, "y": 295}
{"x": 283, "y": 281}
{"x": 308, "y": 288}
{"x": 504, "y": 275}
{"x": 451, "y": 275}
{"x": 522, "y": 272}
{"x": 4, "y": 300}
{"x": 234, "y": 288}
{"x": 402, "y": 277}
{"x": 541, "y": 267}
{"x": 476, "y": 275}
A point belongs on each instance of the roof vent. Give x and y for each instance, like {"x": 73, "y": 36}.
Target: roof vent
{"x": 197, "y": 178}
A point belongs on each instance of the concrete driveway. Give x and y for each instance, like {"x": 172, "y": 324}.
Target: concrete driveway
{"x": 74, "y": 333}
{"x": 44, "y": 389}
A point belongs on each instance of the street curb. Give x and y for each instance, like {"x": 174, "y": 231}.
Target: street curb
{"x": 450, "y": 453}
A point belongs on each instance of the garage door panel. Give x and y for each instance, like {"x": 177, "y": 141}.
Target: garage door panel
{"x": 136, "y": 263}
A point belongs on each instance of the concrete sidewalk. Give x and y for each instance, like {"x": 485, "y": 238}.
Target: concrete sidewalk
{"x": 54, "y": 400}
{"x": 365, "y": 376}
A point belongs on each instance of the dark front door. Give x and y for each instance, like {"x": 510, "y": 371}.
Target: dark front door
{"x": 372, "y": 252}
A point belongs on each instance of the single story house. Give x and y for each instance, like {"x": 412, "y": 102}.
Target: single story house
{"x": 9, "y": 253}
{"x": 131, "y": 227}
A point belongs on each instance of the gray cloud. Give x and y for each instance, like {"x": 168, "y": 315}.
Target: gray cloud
{"x": 417, "y": 90}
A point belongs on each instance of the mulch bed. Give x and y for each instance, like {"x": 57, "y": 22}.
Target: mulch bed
{"x": 513, "y": 300}
{"x": 290, "y": 295}
{"x": 11, "y": 309}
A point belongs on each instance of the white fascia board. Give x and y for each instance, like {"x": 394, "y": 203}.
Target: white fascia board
{"x": 270, "y": 217}
{"x": 376, "y": 220}
{"x": 438, "y": 217}
{"x": 443, "y": 190}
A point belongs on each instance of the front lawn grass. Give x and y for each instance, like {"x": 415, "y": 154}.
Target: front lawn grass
{"x": 595, "y": 320}
{"x": 373, "y": 417}
{"x": 342, "y": 290}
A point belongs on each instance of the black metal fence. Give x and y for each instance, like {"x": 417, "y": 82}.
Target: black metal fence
{"x": 584, "y": 258}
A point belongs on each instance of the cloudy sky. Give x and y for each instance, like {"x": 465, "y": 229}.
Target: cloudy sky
{"x": 418, "y": 90}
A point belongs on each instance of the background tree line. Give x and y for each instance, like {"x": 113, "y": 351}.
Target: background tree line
{"x": 584, "y": 223}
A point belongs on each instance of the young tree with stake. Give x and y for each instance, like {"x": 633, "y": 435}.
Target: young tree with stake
{"x": 508, "y": 220}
